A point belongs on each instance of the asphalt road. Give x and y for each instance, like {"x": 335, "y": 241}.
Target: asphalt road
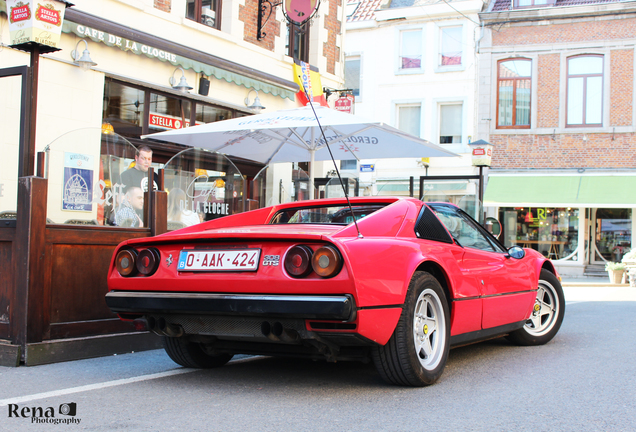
{"x": 584, "y": 380}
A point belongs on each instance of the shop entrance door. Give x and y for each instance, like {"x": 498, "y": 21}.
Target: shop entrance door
{"x": 612, "y": 234}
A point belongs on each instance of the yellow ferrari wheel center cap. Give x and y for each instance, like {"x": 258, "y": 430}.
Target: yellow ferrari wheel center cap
{"x": 425, "y": 329}
{"x": 537, "y": 307}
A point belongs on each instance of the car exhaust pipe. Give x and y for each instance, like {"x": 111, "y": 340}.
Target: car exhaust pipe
{"x": 167, "y": 329}
{"x": 267, "y": 330}
{"x": 277, "y": 329}
{"x": 153, "y": 325}
{"x": 290, "y": 336}
{"x": 174, "y": 330}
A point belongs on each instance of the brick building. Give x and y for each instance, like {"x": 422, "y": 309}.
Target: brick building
{"x": 556, "y": 99}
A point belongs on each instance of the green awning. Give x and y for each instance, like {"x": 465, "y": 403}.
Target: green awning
{"x": 561, "y": 191}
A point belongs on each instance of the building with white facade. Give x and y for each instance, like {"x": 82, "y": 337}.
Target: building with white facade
{"x": 413, "y": 64}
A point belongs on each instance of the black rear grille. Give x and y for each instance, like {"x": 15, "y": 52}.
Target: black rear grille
{"x": 428, "y": 227}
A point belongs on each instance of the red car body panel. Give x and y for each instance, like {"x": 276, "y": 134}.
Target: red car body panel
{"x": 485, "y": 289}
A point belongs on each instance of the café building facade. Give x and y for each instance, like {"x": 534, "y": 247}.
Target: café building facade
{"x": 154, "y": 66}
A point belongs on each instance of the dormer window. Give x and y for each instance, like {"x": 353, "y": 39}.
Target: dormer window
{"x": 533, "y": 3}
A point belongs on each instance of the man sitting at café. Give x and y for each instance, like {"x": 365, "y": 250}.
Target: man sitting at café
{"x": 137, "y": 175}
{"x": 130, "y": 212}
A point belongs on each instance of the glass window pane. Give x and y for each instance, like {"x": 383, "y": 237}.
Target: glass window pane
{"x": 11, "y": 91}
{"x": 524, "y": 3}
{"x": 190, "y": 9}
{"x": 123, "y": 108}
{"x": 411, "y": 49}
{"x": 505, "y": 103}
{"x": 585, "y": 65}
{"x": 409, "y": 119}
{"x": 168, "y": 113}
{"x": 575, "y": 101}
{"x": 352, "y": 75}
{"x": 208, "y": 114}
{"x": 515, "y": 69}
{"x": 523, "y": 103}
{"x": 594, "y": 103}
{"x": 451, "y": 46}
{"x": 208, "y": 13}
{"x": 450, "y": 124}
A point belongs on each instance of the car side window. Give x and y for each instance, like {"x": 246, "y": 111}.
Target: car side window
{"x": 462, "y": 228}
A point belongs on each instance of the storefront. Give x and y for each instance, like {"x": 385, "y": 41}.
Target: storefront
{"x": 576, "y": 219}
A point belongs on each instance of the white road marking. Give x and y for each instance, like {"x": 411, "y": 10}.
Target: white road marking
{"x": 98, "y": 386}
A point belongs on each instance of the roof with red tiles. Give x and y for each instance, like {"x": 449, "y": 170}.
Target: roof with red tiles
{"x": 504, "y": 5}
{"x": 362, "y": 10}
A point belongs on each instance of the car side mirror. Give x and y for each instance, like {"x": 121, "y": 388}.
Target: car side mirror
{"x": 493, "y": 226}
{"x": 516, "y": 252}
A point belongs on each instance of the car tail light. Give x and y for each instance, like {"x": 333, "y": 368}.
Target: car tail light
{"x": 148, "y": 261}
{"x": 298, "y": 261}
{"x": 125, "y": 262}
{"x": 326, "y": 261}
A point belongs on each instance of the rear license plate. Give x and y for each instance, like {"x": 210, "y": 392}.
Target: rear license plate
{"x": 219, "y": 260}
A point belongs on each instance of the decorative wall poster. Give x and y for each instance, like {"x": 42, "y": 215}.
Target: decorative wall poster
{"x": 78, "y": 182}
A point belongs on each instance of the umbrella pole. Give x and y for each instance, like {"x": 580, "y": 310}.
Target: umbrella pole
{"x": 311, "y": 191}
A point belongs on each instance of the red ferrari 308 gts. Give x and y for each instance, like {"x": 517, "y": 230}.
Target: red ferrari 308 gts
{"x": 299, "y": 279}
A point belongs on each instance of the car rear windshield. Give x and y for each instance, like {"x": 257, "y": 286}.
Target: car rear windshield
{"x": 336, "y": 215}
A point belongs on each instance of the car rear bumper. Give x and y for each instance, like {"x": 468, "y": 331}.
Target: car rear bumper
{"x": 331, "y": 307}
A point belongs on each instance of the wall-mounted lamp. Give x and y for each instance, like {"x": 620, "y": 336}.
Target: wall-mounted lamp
{"x": 183, "y": 84}
{"x": 256, "y": 106}
{"x": 85, "y": 62}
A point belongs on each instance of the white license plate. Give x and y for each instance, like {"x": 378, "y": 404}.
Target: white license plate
{"x": 219, "y": 260}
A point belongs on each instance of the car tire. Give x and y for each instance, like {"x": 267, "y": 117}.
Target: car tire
{"x": 547, "y": 313}
{"x": 191, "y": 355}
{"x": 417, "y": 352}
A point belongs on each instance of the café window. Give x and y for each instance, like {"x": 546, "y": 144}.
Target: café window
{"x": 585, "y": 91}
{"x": 133, "y": 110}
{"x": 166, "y": 112}
{"x": 297, "y": 45}
{"x": 206, "y": 12}
{"x": 551, "y": 231}
{"x": 513, "y": 93}
{"x": 124, "y": 108}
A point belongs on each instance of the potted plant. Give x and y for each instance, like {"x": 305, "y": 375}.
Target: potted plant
{"x": 629, "y": 259}
{"x": 615, "y": 271}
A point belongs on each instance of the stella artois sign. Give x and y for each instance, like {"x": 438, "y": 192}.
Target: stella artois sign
{"x": 35, "y": 22}
{"x": 300, "y": 11}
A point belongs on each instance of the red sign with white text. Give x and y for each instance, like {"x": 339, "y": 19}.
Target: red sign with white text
{"x": 345, "y": 104}
{"x": 20, "y": 13}
{"x": 50, "y": 16}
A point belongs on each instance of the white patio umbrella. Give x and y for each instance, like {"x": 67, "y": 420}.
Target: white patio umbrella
{"x": 293, "y": 135}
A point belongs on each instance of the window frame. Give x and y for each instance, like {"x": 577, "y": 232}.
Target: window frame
{"x": 514, "y": 95}
{"x": 443, "y": 67}
{"x": 146, "y": 91}
{"x": 354, "y": 57}
{"x": 405, "y": 104}
{"x": 439, "y": 118}
{"x": 198, "y": 9}
{"x": 533, "y": 5}
{"x": 399, "y": 70}
{"x": 585, "y": 77}
{"x": 293, "y": 30}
